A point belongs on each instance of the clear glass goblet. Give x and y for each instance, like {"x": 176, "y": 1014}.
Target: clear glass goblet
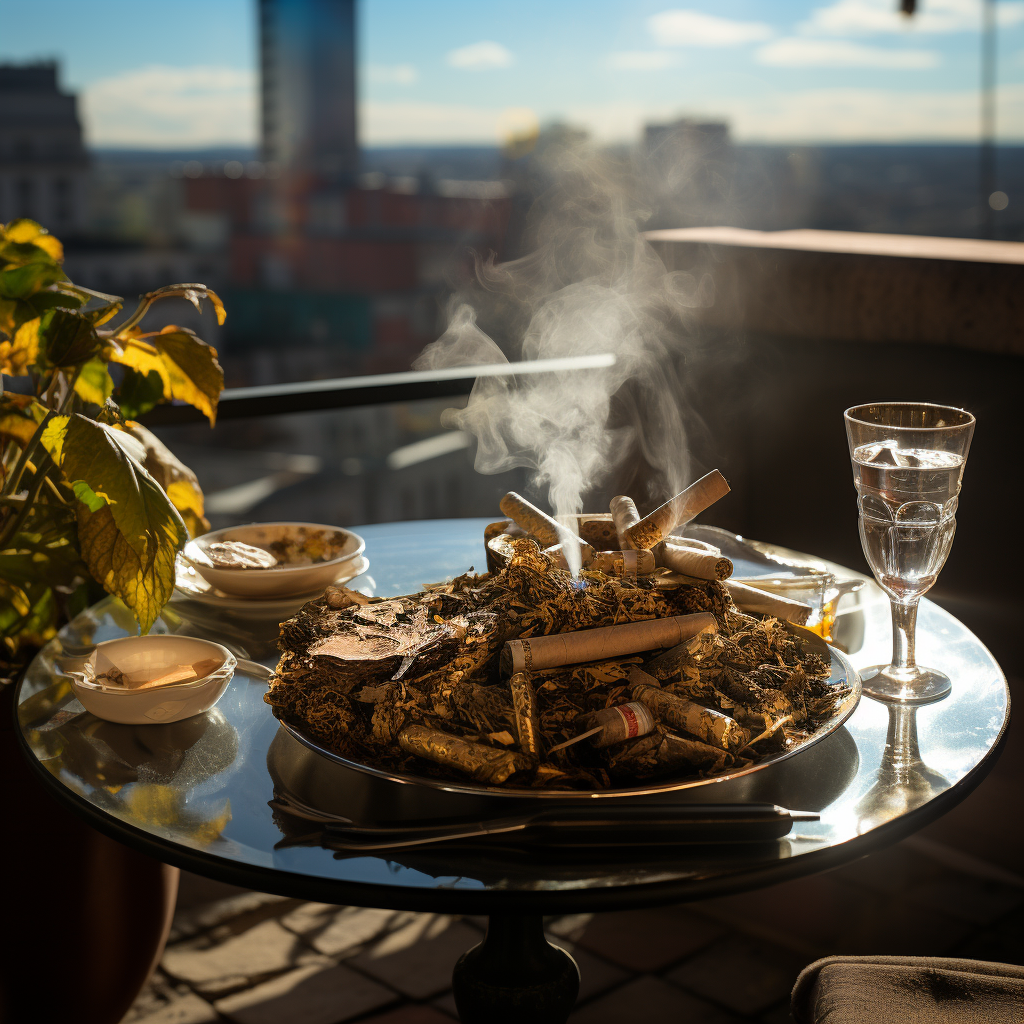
{"x": 908, "y": 461}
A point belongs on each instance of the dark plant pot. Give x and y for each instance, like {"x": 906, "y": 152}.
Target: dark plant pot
{"x": 85, "y": 919}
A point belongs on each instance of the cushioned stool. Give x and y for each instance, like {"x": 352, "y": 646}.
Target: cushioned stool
{"x": 908, "y": 990}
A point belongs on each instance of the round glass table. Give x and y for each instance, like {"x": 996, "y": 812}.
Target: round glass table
{"x": 203, "y": 793}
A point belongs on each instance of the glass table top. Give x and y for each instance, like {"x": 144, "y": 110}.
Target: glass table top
{"x": 197, "y": 792}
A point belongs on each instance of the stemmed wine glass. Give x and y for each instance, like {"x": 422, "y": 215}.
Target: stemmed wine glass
{"x": 908, "y": 461}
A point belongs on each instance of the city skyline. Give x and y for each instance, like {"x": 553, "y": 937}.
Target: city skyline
{"x": 457, "y": 72}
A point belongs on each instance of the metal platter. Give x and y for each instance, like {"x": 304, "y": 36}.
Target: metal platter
{"x": 843, "y": 674}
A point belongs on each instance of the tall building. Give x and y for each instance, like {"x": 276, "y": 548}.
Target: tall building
{"x": 43, "y": 164}
{"x": 308, "y": 75}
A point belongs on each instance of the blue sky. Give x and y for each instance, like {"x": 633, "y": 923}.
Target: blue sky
{"x": 152, "y": 73}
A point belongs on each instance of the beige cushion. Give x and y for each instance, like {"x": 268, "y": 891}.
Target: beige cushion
{"x": 908, "y": 990}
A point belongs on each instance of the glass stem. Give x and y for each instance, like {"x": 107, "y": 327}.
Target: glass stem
{"x": 904, "y": 625}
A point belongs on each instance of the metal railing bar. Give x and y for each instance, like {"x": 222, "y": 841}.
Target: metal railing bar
{"x": 376, "y": 389}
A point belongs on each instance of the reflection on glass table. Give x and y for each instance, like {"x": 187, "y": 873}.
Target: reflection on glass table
{"x": 200, "y": 797}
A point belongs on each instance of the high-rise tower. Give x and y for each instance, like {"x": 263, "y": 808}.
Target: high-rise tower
{"x": 308, "y": 75}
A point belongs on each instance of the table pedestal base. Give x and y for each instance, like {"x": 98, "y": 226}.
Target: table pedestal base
{"x": 515, "y": 975}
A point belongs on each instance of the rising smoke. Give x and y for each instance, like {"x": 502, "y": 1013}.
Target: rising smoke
{"x": 590, "y": 285}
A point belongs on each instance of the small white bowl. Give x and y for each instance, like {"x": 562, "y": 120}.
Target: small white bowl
{"x": 146, "y": 657}
{"x": 279, "y": 580}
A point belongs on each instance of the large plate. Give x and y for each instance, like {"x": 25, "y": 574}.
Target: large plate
{"x": 842, "y": 673}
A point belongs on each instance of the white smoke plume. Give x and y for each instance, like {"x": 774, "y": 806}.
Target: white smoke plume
{"x": 591, "y": 285}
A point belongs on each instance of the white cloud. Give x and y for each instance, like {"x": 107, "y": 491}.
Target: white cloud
{"x": 392, "y": 74}
{"x": 871, "y": 115}
{"x": 838, "y": 53}
{"x": 816, "y": 115}
{"x": 867, "y": 17}
{"x": 480, "y": 56}
{"x": 692, "y": 28}
{"x": 641, "y": 60}
{"x": 382, "y": 124}
{"x": 162, "y": 106}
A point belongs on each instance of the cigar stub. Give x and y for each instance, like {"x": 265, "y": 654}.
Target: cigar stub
{"x": 524, "y": 706}
{"x": 711, "y": 727}
{"x": 624, "y": 515}
{"x": 677, "y": 511}
{"x": 696, "y": 562}
{"x": 546, "y": 530}
{"x": 760, "y": 602}
{"x": 604, "y": 642}
{"x": 624, "y": 722}
{"x": 485, "y": 764}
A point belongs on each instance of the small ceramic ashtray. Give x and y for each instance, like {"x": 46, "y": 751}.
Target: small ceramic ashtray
{"x": 149, "y": 680}
{"x": 272, "y": 559}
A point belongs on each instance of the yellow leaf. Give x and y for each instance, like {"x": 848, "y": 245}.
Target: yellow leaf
{"x": 18, "y": 355}
{"x": 20, "y": 415}
{"x": 23, "y": 231}
{"x": 143, "y": 580}
{"x": 50, "y": 245}
{"x": 180, "y": 483}
{"x": 94, "y": 383}
{"x": 187, "y": 366}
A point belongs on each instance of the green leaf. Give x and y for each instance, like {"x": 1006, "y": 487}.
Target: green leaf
{"x": 51, "y": 298}
{"x": 24, "y": 281}
{"x": 138, "y": 393}
{"x": 94, "y": 383}
{"x": 45, "y": 551}
{"x": 87, "y": 496}
{"x": 69, "y": 338}
{"x": 128, "y": 530}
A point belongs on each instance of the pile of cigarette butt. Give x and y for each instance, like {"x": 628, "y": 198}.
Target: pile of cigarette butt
{"x": 533, "y": 676}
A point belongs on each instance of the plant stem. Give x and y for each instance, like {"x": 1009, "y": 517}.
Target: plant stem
{"x": 11, "y": 530}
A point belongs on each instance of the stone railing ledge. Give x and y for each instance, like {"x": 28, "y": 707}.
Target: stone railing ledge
{"x": 853, "y": 286}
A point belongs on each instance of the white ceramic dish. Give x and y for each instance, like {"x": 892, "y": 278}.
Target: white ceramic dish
{"x": 279, "y": 580}
{"x": 145, "y": 657}
{"x": 190, "y": 586}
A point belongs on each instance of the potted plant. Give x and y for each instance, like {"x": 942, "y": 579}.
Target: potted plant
{"x": 90, "y": 501}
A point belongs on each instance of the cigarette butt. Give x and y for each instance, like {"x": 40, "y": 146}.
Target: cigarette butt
{"x": 624, "y": 515}
{"x": 696, "y": 562}
{"x": 181, "y": 674}
{"x": 750, "y": 599}
{"x": 678, "y": 511}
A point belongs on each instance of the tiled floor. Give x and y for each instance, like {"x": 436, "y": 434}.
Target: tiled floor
{"x": 255, "y": 959}
{"x": 957, "y": 888}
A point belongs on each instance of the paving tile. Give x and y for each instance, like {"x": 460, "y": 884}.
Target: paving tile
{"x": 976, "y": 900}
{"x": 215, "y": 969}
{"x": 745, "y": 976}
{"x": 1001, "y": 943}
{"x": 643, "y": 940}
{"x": 651, "y": 1001}
{"x": 446, "y": 1004}
{"x": 823, "y": 914}
{"x": 596, "y": 974}
{"x": 412, "y": 1013}
{"x": 780, "y": 1015}
{"x": 417, "y": 958}
{"x": 241, "y": 912}
{"x": 309, "y": 995}
{"x": 890, "y": 871}
{"x": 340, "y": 932}
{"x": 182, "y": 1008}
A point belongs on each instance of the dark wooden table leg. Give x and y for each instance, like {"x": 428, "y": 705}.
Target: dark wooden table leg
{"x": 515, "y": 975}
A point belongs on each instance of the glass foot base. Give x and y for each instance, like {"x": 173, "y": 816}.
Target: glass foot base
{"x": 921, "y": 686}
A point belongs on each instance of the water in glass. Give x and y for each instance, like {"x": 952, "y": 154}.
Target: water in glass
{"x": 907, "y": 499}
